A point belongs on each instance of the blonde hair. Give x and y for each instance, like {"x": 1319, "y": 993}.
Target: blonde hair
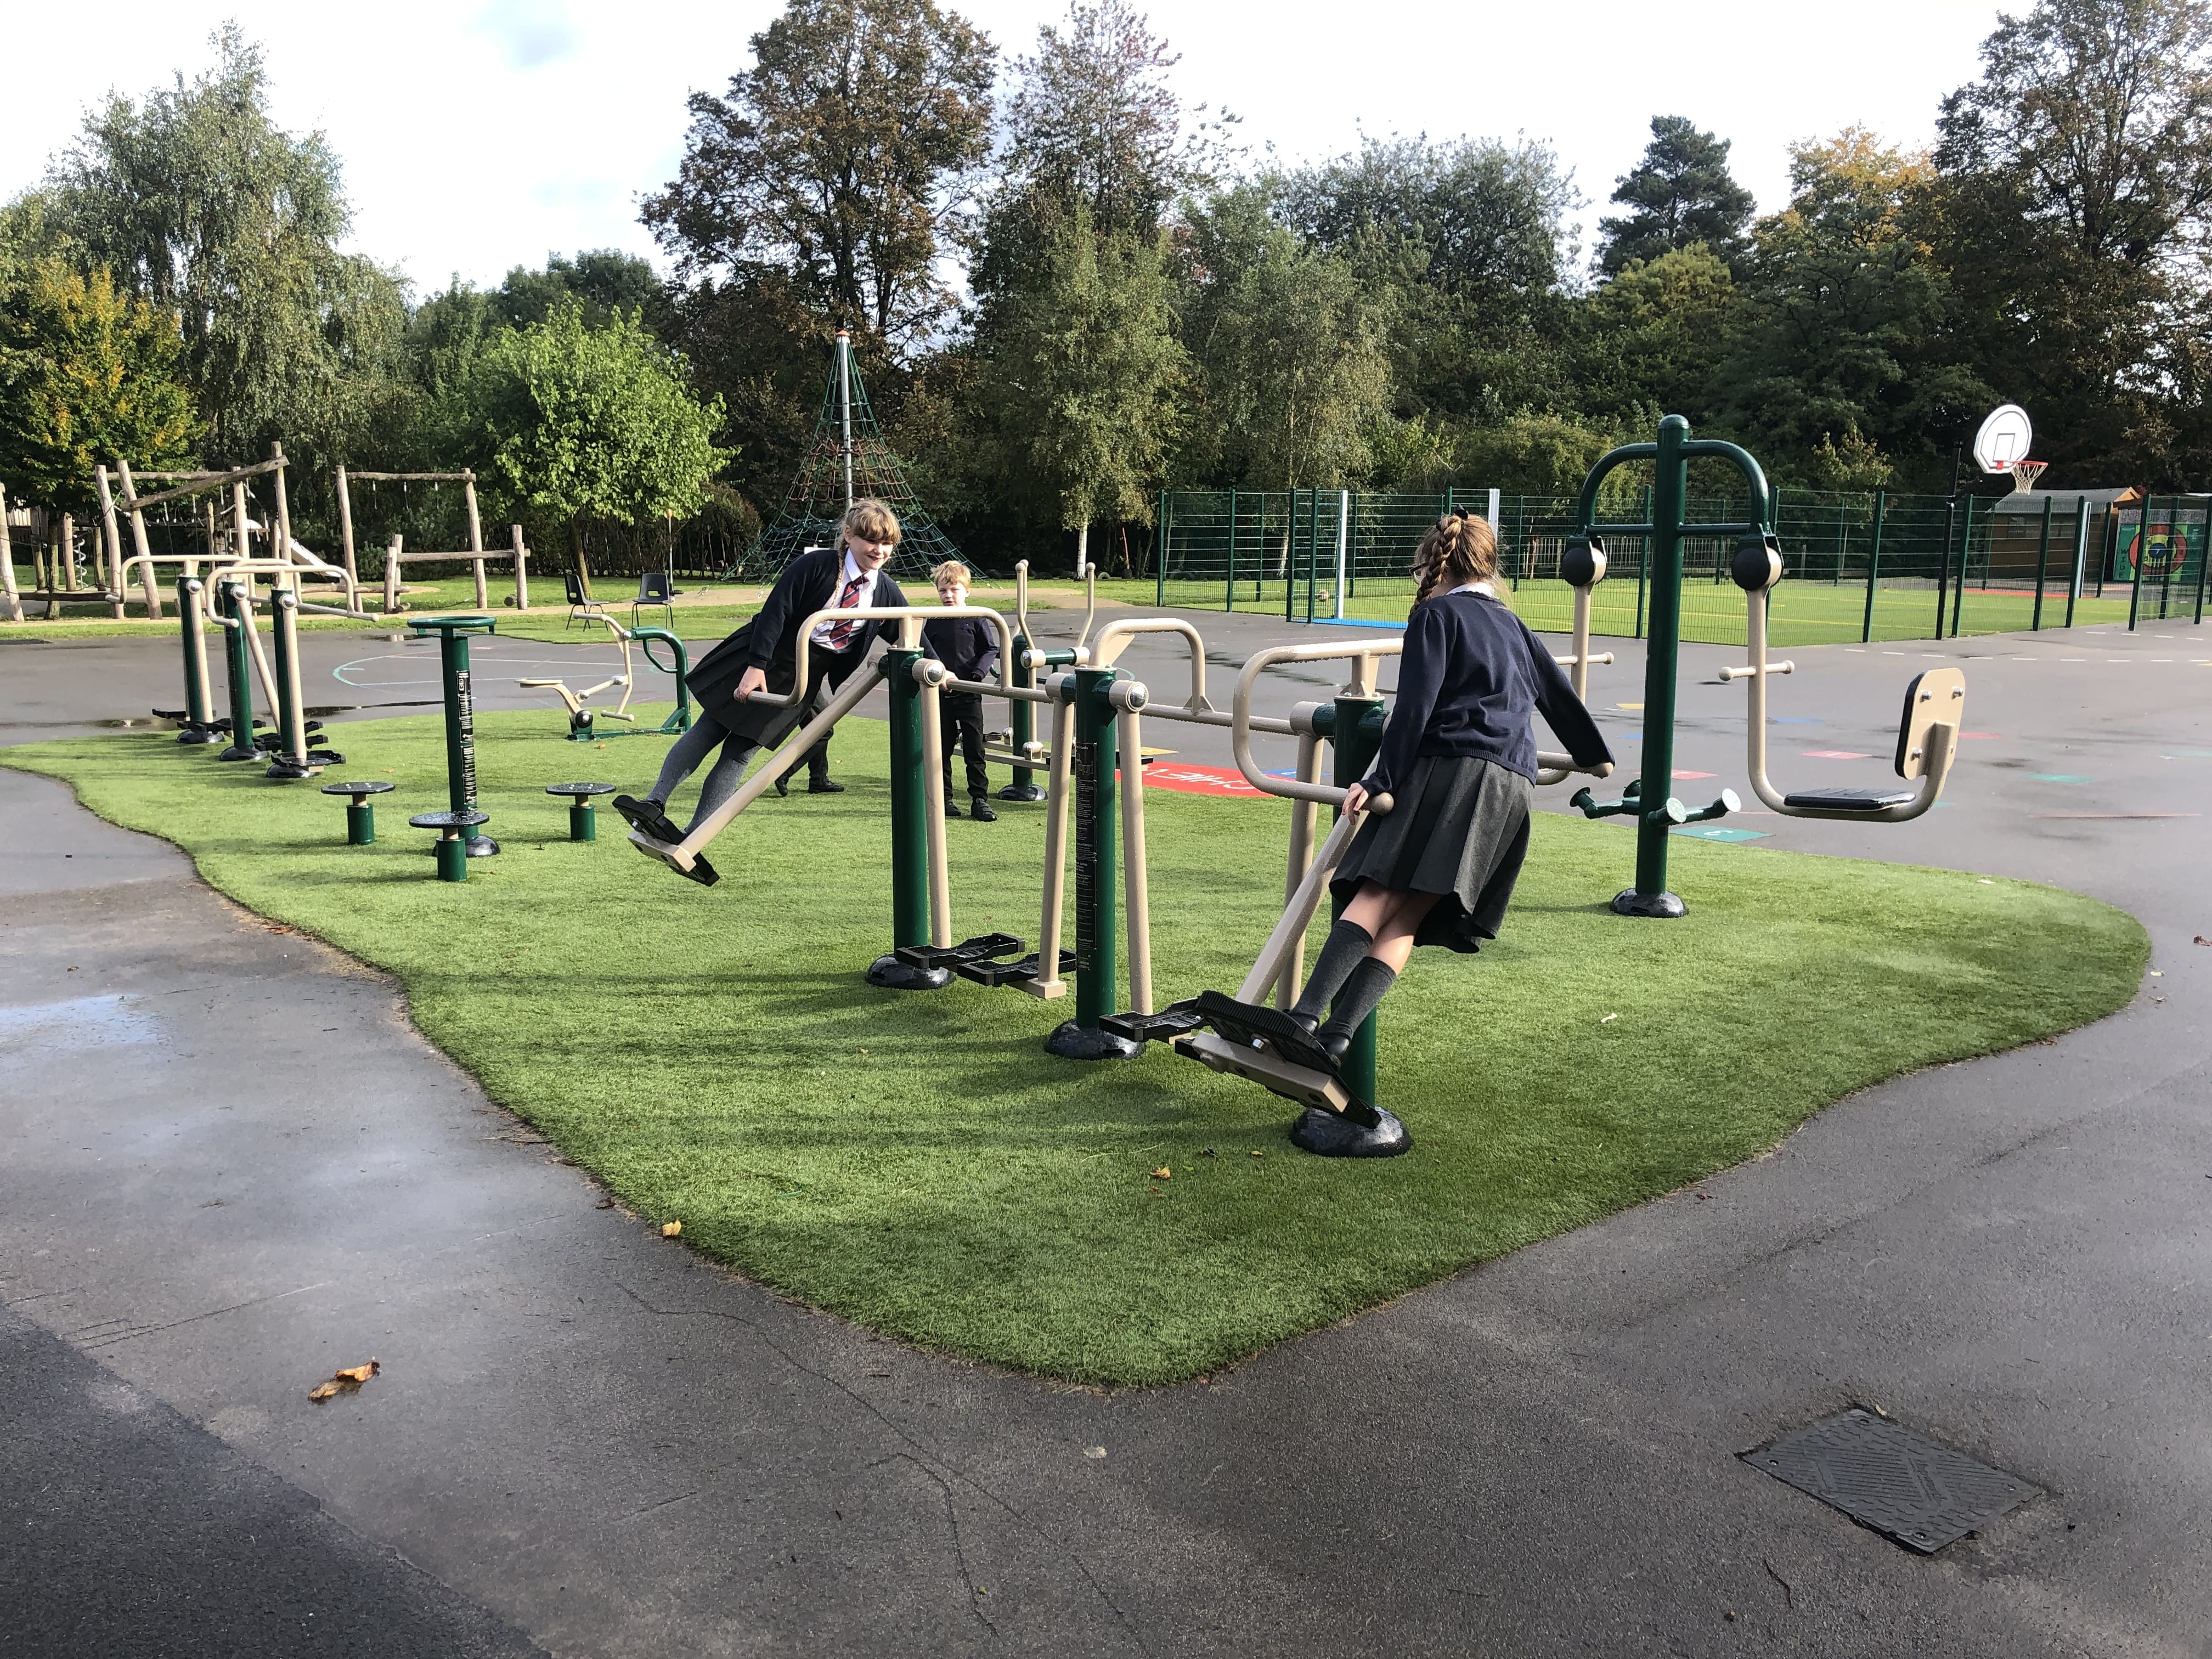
{"x": 1460, "y": 548}
{"x": 871, "y": 520}
{"x": 953, "y": 571}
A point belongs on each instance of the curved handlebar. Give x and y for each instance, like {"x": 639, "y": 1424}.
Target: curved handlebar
{"x": 1365, "y": 653}
{"x": 910, "y": 616}
{"x": 1118, "y": 633}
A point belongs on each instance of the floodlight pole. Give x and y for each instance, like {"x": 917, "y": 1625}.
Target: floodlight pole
{"x": 845, "y": 406}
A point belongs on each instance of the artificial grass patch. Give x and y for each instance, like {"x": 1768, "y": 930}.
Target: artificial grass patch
{"x": 916, "y": 1162}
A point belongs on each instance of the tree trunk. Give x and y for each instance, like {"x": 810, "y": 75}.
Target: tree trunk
{"x": 576, "y": 549}
{"x": 1082, "y": 551}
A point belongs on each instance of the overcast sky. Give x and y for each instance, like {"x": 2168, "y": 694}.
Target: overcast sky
{"x": 478, "y": 135}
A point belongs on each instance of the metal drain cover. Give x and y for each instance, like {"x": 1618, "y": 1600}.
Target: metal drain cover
{"x": 1904, "y": 1485}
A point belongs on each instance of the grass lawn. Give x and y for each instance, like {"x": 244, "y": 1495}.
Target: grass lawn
{"x": 915, "y": 1162}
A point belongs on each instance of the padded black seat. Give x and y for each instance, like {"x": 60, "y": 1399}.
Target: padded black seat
{"x": 449, "y": 820}
{"x": 357, "y": 790}
{"x": 1849, "y": 800}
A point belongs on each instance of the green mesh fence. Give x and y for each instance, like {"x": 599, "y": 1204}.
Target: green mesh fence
{"x": 1857, "y": 566}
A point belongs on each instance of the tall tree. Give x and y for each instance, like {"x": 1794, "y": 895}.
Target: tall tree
{"x": 1466, "y": 243}
{"x": 1681, "y": 192}
{"x": 1087, "y": 377}
{"x": 841, "y": 162}
{"x": 1850, "y": 333}
{"x": 201, "y": 204}
{"x": 88, "y": 375}
{"x": 1656, "y": 334}
{"x": 566, "y": 423}
{"x": 1091, "y": 122}
{"x": 2079, "y": 195}
{"x": 1290, "y": 348}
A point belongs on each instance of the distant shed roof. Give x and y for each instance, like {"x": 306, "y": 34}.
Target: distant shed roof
{"x": 2030, "y": 501}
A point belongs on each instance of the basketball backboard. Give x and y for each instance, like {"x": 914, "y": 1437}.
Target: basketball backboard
{"x": 2003, "y": 439}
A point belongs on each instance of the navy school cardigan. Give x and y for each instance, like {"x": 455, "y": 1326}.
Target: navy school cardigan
{"x": 1470, "y": 682}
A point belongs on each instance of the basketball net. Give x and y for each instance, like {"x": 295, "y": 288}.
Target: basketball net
{"x": 2024, "y": 474}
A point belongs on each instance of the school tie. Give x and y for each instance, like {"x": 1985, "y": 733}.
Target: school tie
{"x": 841, "y": 633}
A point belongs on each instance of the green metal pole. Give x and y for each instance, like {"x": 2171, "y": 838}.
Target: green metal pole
{"x": 1355, "y": 735}
{"x": 2080, "y": 554}
{"x": 1313, "y": 548}
{"x": 2042, "y": 564}
{"x": 1670, "y": 484}
{"x": 1944, "y": 565}
{"x": 1160, "y": 553}
{"x": 1229, "y": 598}
{"x": 910, "y": 801}
{"x": 453, "y": 633}
{"x": 1097, "y": 966}
{"x": 2143, "y": 546}
{"x": 238, "y": 669}
{"x": 1966, "y": 553}
{"x": 1290, "y": 555}
{"x": 1874, "y": 566}
{"x": 1024, "y": 786}
{"x": 291, "y": 720}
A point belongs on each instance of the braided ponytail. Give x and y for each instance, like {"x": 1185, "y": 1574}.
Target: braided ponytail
{"x": 1460, "y": 548}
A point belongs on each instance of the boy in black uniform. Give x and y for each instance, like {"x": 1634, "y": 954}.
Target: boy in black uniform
{"x": 967, "y": 647}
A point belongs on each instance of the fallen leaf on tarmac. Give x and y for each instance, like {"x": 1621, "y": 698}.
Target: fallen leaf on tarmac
{"x": 347, "y": 1381}
{"x": 606, "y": 1204}
{"x": 1164, "y": 1173}
{"x": 670, "y": 1229}
{"x": 2201, "y": 939}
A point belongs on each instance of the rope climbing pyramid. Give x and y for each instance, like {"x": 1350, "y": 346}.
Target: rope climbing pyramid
{"x": 847, "y": 458}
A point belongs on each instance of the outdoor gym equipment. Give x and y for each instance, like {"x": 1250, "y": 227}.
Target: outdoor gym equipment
{"x": 453, "y": 635}
{"x": 290, "y": 747}
{"x": 1927, "y": 735}
{"x": 583, "y": 721}
{"x": 583, "y": 821}
{"x": 921, "y": 881}
{"x": 361, "y": 809}
{"x": 457, "y": 840}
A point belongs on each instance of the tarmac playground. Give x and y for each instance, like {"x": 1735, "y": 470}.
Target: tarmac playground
{"x": 598, "y": 1442}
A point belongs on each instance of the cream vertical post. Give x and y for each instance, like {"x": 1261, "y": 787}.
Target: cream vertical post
{"x": 1047, "y": 983}
{"x": 111, "y": 550}
{"x": 521, "y": 570}
{"x": 1136, "y": 896}
{"x": 283, "y": 548}
{"x": 139, "y": 545}
{"x": 476, "y": 538}
{"x": 8, "y": 596}
{"x": 1291, "y": 981}
{"x": 345, "y": 529}
{"x": 392, "y": 573}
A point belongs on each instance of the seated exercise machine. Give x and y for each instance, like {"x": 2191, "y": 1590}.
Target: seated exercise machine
{"x": 583, "y": 720}
{"x": 1927, "y": 734}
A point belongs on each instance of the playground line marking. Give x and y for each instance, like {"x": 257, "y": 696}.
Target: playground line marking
{"x": 1200, "y": 780}
{"x": 1835, "y": 754}
{"x": 1963, "y": 735}
{"x": 2059, "y": 777}
{"x": 1680, "y": 775}
{"x": 2116, "y": 815}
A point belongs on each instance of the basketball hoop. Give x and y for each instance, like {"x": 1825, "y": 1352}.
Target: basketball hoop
{"x": 2024, "y": 474}
{"x": 2003, "y": 439}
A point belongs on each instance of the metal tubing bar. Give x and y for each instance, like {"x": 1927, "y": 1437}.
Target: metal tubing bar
{"x": 1873, "y": 566}
{"x": 2080, "y": 554}
{"x": 2042, "y": 567}
{"x": 2142, "y": 549}
{"x": 1047, "y": 983}
{"x": 1290, "y": 931}
{"x": 1136, "y": 877}
{"x": 1301, "y": 845}
{"x": 1115, "y": 637}
{"x": 1364, "y": 653}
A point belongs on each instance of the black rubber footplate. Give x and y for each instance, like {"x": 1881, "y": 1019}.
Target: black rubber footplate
{"x": 986, "y": 972}
{"x": 1176, "y": 1019}
{"x": 981, "y": 948}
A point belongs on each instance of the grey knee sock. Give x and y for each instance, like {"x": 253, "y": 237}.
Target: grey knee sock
{"x": 1344, "y": 949}
{"x": 722, "y": 782}
{"x": 1365, "y": 987}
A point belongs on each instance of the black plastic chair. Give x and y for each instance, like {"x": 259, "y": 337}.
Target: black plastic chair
{"x": 655, "y": 588}
{"x": 581, "y": 602}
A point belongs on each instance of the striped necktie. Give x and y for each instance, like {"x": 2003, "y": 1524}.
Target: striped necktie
{"x": 841, "y": 633}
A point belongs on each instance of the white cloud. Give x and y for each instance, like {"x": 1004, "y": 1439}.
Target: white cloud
{"x": 531, "y": 33}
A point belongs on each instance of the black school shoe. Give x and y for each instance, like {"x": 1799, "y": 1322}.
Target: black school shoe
{"x": 980, "y": 810}
{"x": 648, "y": 817}
{"x": 1242, "y": 1022}
{"x": 824, "y": 786}
{"x": 952, "y": 810}
{"x": 1359, "y": 1131}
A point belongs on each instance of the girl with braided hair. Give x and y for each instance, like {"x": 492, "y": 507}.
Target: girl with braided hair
{"x": 1458, "y": 758}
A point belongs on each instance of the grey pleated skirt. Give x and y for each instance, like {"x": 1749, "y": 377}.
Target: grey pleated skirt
{"x": 1458, "y": 827}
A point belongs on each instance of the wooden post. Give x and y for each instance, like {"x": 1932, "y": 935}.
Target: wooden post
{"x": 521, "y": 576}
{"x": 138, "y": 543}
{"x": 8, "y": 595}
{"x": 476, "y": 539}
{"x": 392, "y": 575}
{"x": 241, "y": 542}
{"x": 214, "y": 537}
{"x": 284, "y": 549}
{"x": 68, "y": 549}
{"x": 345, "y": 528}
{"x": 111, "y": 544}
